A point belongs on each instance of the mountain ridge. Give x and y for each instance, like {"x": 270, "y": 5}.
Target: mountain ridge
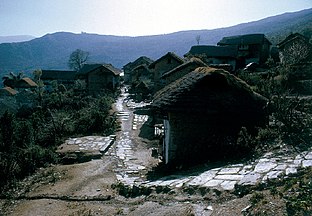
{"x": 52, "y": 51}
{"x": 16, "y": 38}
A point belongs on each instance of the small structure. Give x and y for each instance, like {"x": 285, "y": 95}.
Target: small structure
{"x": 25, "y": 83}
{"x": 215, "y": 55}
{"x": 203, "y": 113}
{"x": 250, "y": 48}
{"x": 294, "y": 48}
{"x": 67, "y": 78}
{"x": 163, "y": 65}
{"x": 128, "y": 68}
{"x": 99, "y": 77}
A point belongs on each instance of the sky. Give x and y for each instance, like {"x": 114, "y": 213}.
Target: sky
{"x": 134, "y": 17}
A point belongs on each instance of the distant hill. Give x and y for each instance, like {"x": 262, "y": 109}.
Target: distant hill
{"x": 52, "y": 50}
{"x": 15, "y": 38}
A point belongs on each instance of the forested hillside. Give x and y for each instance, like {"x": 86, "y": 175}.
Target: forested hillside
{"x": 52, "y": 50}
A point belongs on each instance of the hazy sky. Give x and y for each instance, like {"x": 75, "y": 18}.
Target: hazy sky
{"x": 134, "y": 17}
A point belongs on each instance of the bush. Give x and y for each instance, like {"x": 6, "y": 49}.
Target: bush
{"x": 29, "y": 141}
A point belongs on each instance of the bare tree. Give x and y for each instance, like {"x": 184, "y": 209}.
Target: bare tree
{"x": 198, "y": 39}
{"x": 295, "y": 53}
{"x": 77, "y": 59}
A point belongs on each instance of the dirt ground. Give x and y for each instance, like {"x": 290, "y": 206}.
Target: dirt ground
{"x": 88, "y": 189}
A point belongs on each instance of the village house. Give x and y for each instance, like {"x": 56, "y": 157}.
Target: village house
{"x": 181, "y": 70}
{"x": 203, "y": 113}
{"x": 128, "y": 68}
{"x": 215, "y": 55}
{"x": 163, "y": 65}
{"x": 294, "y": 48}
{"x": 99, "y": 77}
{"x": 66, "y": 78}
{"x": 250, "y": 48}
{"x": 141, "y": 84}
{"x": 141, "y": 73}
{"x": 25, "y": 83}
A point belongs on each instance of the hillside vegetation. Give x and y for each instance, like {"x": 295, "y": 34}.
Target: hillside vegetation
{"x": 52, "y": 50}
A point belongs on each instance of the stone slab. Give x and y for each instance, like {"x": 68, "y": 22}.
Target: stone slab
{"x": 263, "y": 167}
{"x": 213, "y": 183}
{"x": 250, "y": 179}
{"x": 228, "y": 185}
{"x": 229, "y": 177}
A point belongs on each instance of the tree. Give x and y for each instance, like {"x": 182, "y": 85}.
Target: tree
{"x": 198, "y": 39}
{"x": 77, "y": 59}
{"x": 296, "y": 52}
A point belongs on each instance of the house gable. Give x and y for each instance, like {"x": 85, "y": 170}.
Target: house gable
{"x": 162, "y": 65}
{"x": 99, "y": 77}
{"x": 129, "y": 68}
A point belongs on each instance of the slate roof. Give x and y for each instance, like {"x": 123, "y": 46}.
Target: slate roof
{"x": 214, "y": 51}
{"x": 208, "y": 90}
{"x": 58, "y": 75}
{"x": 171, "y": 54}
{"x": 243, "y": 39}
{"x": 87, "y": 68}
{"x": 193, "y": 61}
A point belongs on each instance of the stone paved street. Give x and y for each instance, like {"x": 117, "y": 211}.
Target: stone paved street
{"x": 129, "y": 170}
{"x": 267, "y": 167}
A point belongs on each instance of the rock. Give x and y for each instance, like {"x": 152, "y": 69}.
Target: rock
{"x": 209, "y": 208}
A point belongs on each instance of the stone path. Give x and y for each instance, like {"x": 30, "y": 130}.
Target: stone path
{"x": 268, "y": 167}
{"x": 129, "y": 170}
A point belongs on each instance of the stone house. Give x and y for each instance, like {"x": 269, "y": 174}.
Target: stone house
{"x": 250, "y": 48}
{"x": 294, "y": 48}
{"x": 163, "y": 65}
{"x": 215, "y": 55}
{"x": 67, "y": 78}
{"x": 128, "y": 68}
{"x": 203, "y": 113}
{"x": 181, "y": 70}
{"x": 99, "y": 77}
